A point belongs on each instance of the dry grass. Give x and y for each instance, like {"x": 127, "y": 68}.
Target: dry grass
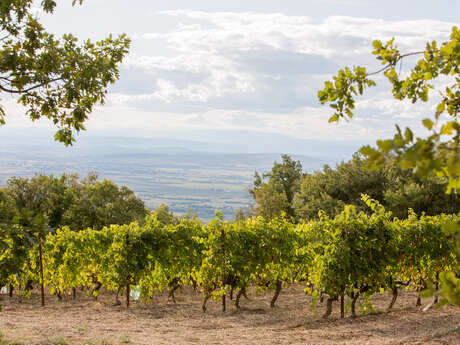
{"x": 85, "y": 321}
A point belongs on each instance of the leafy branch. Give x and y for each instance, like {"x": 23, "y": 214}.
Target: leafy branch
{"x": 438, "y": 153}
{"x": 58, "y": 79}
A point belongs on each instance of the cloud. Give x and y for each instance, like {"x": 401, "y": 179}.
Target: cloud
{"x": 261, "y": 72}
{"x": 334, "y": 36}
{"x": 263, "y": 61}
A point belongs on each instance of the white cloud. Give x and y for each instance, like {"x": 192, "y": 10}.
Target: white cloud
{"x": 218, "y": 76}
{"x": 248, "y": 57}
{"x": 301, "y": 34}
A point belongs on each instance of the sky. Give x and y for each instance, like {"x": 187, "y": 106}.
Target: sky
{"x": 206, "y": 69}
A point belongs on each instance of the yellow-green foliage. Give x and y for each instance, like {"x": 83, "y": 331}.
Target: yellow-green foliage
{"x": 353, "y": 252}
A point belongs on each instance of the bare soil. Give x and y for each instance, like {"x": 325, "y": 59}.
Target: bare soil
{"x": 86, "y": 321}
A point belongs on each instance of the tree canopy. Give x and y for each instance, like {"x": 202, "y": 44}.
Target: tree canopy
{"x": 398, "y": 190}
{"x": 68, "y": 201}
{"x": 58, "y": 79}
{"x": 274, "y": 191}
{"x": 331, "y": 189}
{"x": 164, "y": 216}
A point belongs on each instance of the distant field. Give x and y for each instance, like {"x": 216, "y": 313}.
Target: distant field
{"x": 85, "y": 321}
{"x": 202, "y": 181}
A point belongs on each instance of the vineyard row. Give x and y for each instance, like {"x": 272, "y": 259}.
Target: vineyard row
{"x": 354, "y": 255}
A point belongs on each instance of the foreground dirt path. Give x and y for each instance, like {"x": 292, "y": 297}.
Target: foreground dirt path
{"x": 84, "y": 321}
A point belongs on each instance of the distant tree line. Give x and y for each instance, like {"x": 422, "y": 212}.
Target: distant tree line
{"x": 165, "y": 217}
{"x": 286, "y": 189}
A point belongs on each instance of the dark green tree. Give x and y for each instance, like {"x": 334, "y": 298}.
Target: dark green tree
{"x": 164, "y": 216}
{"x": 398, "y": 190}
{"x": 405, "y": 190}
{"x": 331, "y": 189}
{"x": 274, "y": 192}
{"x": 101, "y": 203}
{"x": 67, "y": 201}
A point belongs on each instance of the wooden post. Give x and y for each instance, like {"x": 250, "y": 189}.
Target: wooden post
{"x": 41, "y": 272}
{"x": 224, "y": 305}
{"x": 342, "y": 306}
{"x": 419, "y": 300}
{"x": 436, "y": 285}
{"x": 224, "y": 272}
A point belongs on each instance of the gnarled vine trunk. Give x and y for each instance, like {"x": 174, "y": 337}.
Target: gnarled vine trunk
{"x": 329, "y": 307}
{"x": 203, "y": 306}
{"x": 240, "y": 293}
{"x": 342, "y": 305}
{"x": 174, "y": 285}
{"x": 117, "y": 300}
{"x": 394, "y": 291}
{"x": 354, "y": 299}
{"x": 224, "y": 303}
{"x": 278, "y": 288}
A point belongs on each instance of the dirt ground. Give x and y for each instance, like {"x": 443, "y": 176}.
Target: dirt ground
{"x": 85, "y": 321}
